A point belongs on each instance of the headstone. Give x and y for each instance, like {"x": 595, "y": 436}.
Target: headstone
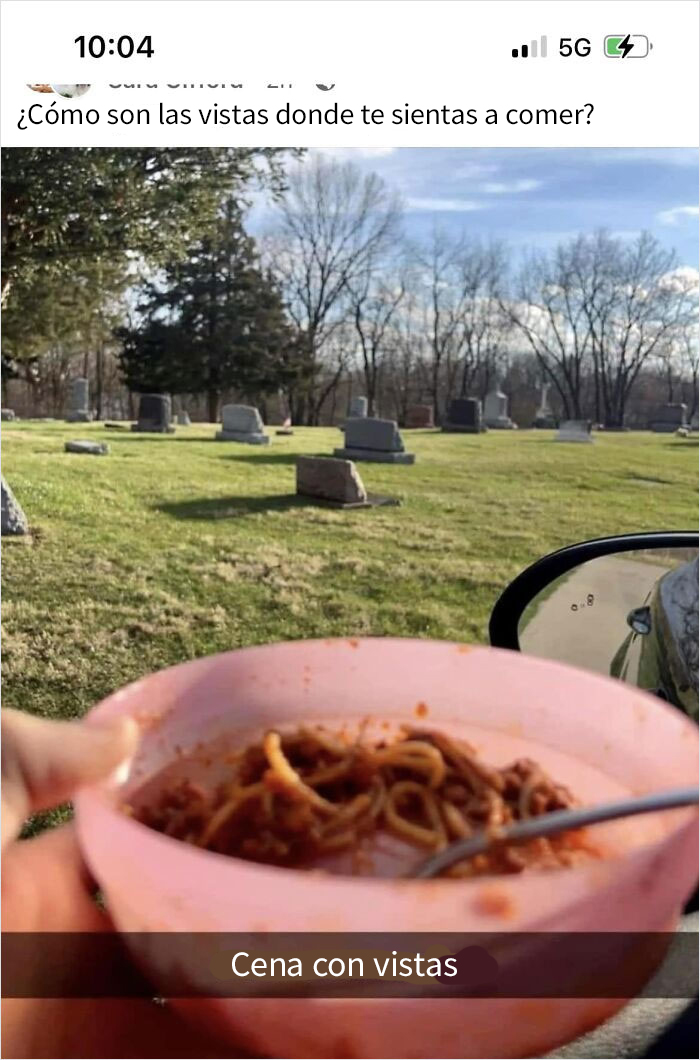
{"x": 79, "y": 411}
{"x": 694, "y": 421}
{"x": 668, "y": 418}
{"x": 84, "y": 446}
{"x": 544, "y": 417}
{"x": 8, "y": 414}
{"x": 183, "y": 419}
{"x": 420, "y": 416}
{"x": 335, "y": 482}
{"x": 496, "y": 411}
{"x": 358, "y": 407}
{"x": 464, "y": 415}
{"x": 376, "y": 440}
{"x": 14, "y": 521}
{"x": 242, "y": 423}
{"x": 286, "y": 428}
{"x": 154, "y": 415}
{"x": 330, "y": 479}
{"x": 575, "y": 431}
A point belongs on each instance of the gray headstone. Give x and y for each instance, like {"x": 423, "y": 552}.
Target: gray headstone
{"x": 544, "y": 417}
{"x": 79, "y": 411}
{"x": 8, "y": 414}
{"x": 495, "y": 404}
{"x": 242, "y": 423}
{"x": 84, "y": 446}
{"x": 81, "y": 393}
{"x": 373, "y": 434}
{"x": 544, "y": 409}
{"x": 496, "y": 411}
{"x": 575, "y": 431}
{"x": 464, "y": 414}
{"x": 358, "y": 407}
{"x": 420, "y": 416}
{"x": 694, "y": 421}
{"x": 183, "y": 419}
{"x": 668, "y": 418}
{"x": 330, "y": 479}
{"x": 154, "y": 414}
{"x": 376, "y": 440}
{"x": 14, "y": 521}
{"x": 241, "y": 418}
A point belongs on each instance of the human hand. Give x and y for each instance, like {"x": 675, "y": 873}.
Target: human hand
{"x": 46, "y": 886}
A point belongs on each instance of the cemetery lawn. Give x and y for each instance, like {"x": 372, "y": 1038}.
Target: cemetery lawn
{"x": 174, "y": 547}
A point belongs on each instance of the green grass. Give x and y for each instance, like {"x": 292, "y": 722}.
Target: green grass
{"x": 174, "y": 547}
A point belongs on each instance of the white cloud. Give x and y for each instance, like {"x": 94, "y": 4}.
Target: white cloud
{"x": 676, "y": 214}
{"x": 667, "y": 156}
{"x": 476, "y": 170}
{"x": 444, "y": 205}
{"x": 684, "y": 278}
{"x": 355, "y": 152}
{"x": 506, "y": 187}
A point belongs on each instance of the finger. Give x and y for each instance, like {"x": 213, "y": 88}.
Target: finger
{"x": 45, "y": 762}
{"x": 46, "y": 886}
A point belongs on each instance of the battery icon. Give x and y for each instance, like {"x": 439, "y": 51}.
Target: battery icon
{"x": 626, "y": 46}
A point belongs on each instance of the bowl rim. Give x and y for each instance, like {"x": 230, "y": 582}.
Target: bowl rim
{"x": 101, "y": 796}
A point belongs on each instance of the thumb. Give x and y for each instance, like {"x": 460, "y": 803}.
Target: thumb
{"x": 45, "y": 762}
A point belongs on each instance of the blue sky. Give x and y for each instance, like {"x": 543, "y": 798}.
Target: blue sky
{"x": 536, "y": 197}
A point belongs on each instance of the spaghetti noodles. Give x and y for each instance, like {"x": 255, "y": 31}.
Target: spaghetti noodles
{"x": 295, "y": 798}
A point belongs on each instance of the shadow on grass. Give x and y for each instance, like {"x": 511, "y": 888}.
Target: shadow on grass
{"x": 634, "y": 476}
{"x": 154, "y": 436}
{"x": 263, "y": 456}
{"x": 683, "y": 443}
{"x": 209, "y": 508}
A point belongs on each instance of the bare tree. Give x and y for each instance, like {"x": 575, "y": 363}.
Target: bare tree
{"x": 547, "y": 310}
{"x": 465, "y": 325}
{"x": 679, "y": 365}
{"x": 602, "y": 305}
{"x": 689, "y": 362}
{"x": 375, "y": 298}
{"x": 442, "y": 306}
{"x": 406, "y": 362}
{"x": 667, "y": 361}
{"x": 337, "y": 361}
{"x": 637, "y": 302}
{"x": 334, "y": 225}
{"x": 484, "y": 327}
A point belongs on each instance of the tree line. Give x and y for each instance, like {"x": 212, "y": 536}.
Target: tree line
{"x": 134, "y": 267}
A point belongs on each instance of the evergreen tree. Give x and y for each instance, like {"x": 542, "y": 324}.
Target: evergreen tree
{"x": 52, "y": 318}
{"x": 65, "y": 206}
{"x": 213, "y": 322}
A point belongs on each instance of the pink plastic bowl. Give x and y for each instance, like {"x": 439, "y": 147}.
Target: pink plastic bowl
{"x": 599, "y": 736}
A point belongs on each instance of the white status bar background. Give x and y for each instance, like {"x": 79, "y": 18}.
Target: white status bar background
{"x": 383, "y": 54}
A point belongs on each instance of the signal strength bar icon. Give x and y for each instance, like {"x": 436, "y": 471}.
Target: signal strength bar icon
{"x": 531, "y": 50}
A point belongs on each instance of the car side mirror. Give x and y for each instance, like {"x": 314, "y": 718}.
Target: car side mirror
{"x": 623, "y": 606}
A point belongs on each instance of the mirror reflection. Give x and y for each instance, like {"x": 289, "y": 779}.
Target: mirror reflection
{"x": 631, "y": 615}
